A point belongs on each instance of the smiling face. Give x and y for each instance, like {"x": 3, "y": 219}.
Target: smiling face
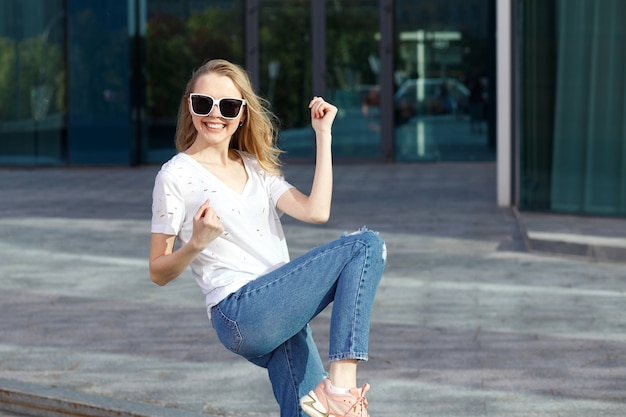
{"x": 214, "y": 130}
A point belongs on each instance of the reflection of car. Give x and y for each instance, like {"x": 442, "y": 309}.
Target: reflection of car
{"x": 430, "y": 96}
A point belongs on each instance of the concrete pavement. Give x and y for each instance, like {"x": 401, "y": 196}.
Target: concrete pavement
{"x": 468, "y": 322}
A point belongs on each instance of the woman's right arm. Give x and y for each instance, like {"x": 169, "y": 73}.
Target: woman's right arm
{"x": 166, "y": 263}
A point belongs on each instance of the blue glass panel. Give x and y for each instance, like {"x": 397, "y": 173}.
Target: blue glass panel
{"x": 353, "y": 64}
{"x": 98, "y": 82}
{"x": 443, "y": 75}
{"x": 178, "y": 38}
{"x": 285, "y": 72}
{"x": 32, "y": 82}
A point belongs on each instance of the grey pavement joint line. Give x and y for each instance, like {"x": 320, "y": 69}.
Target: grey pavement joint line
{"x": 502, "y": 288}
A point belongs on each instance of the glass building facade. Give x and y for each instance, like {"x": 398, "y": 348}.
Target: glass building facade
{"x": 99, "y": 83}
{"x": 86, "y": 83}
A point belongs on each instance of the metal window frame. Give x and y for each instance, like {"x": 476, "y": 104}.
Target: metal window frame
{"x": 386, "y": 53}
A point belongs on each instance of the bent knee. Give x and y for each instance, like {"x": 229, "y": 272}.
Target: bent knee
{"x": 372, "y": 239}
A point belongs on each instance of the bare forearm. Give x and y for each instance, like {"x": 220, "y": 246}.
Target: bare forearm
{"x": 315, "y": 208}
{"x": 166, "y": 268}
{"x": 166, "y": 263}
{"x": 322, "y": 188}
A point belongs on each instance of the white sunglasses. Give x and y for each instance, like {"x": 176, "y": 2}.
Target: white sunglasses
{"x": 229, "y": 107}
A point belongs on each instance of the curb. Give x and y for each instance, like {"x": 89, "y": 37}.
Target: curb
{"x": 32, "y": 400}
{"x": 564, "y": 246}
{"x": 596, "y": 249}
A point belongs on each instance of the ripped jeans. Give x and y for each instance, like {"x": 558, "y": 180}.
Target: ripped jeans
{"x": 266, "y": 321}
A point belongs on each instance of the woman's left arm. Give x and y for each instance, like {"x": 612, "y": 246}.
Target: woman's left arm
{"x": 315, "y": 208}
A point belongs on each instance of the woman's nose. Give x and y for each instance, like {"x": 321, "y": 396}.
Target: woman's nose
{"x": 218, "y": 114}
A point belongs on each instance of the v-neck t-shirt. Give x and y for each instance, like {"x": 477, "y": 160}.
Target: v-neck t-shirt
{"x": 253, "y": 242}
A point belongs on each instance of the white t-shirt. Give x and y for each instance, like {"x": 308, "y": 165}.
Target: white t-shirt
{"x": 252, "y": 243}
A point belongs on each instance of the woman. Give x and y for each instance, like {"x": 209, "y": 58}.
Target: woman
{"x": 221, "y": 196}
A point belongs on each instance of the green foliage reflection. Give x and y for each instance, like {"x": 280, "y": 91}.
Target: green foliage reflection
{"x": 176, "y": 46}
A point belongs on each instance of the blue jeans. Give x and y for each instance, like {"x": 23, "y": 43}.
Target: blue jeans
{"x": 266, "y": 321}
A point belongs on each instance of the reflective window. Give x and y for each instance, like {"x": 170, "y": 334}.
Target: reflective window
{"x": 32, "y": 82}
{"x": 350, "y": 75}
{"x": 352, "y": 60}
{"x": 98, "y": 82}
{"x": 106, "y": 90}
{"x": 179, "y": 37}
{"x": 285, "y": 70}
{"x": 573, "y": 83}
{"x": 442, "y": 80}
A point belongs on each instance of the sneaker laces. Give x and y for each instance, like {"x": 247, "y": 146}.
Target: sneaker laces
{"x": 361, "y": 402}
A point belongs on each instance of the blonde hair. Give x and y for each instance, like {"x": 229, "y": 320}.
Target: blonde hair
{"x": 258, "y": 133}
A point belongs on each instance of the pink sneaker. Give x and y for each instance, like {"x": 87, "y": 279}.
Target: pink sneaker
{"x": 323, "y": 402}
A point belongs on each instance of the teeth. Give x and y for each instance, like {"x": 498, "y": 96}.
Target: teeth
{"x": 214, "y": 125}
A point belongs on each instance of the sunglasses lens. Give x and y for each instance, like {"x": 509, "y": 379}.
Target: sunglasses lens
{"x": 201, "y": 105}
{"x": 230, "y": 107}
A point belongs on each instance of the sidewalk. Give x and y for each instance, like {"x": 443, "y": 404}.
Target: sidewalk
{"x": 468, "y": 322}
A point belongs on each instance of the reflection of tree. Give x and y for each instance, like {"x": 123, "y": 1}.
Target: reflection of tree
{"x": 285, "y": 38}
{"x": 352, "y": 54}
{"x": 212, "y": 34}
{"x": 348, "y": 53}
{"x": 37, "y": 62}
{"x": 7, "y": 79}
{"x": 176, "y": 47}
{"x": 168, "y": 60}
